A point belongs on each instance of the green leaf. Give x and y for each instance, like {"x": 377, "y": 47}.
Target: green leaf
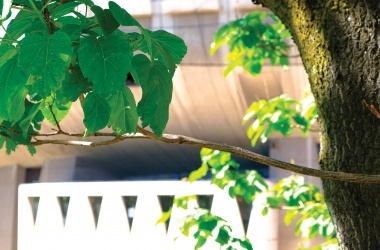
{"x": 157, "y": 95}
{"x": 106, "y": 20}
{"x": 290, "y": 216}
{"x": 124, "y": 116}
{"x": 111, "y": 57}
{"x": 265, "y": 211}
{"x": 30, "y": 115}
{"x": 87, "y": 2}
{"x": 200, "y": 242}
{"x": 12, "y": 85}
{"x": 122, "y": 16}
{"x": 165, "y": 217}
{"x": 199, "y": 173}
{"x": 64, "y": 9}
{"x": 273, "y": 202}
{"x": 7, "y": 51}
{"x": 164, "y": 42}
{"x": 96, "y": 113}
{"x": 5, "y": 7}
{"x": 46, "y": 58}
{"x": 21, "y": 24}
{"x": 32, "y": 150}
{"x": 59, "y": 110}
{"x": 183, "y": 201}
{"x": 73, "y": 86}
{"x": 140, "y": 66}
{"x": 125, "y": 19}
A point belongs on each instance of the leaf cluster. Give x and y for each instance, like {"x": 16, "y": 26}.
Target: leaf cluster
{"x": 52, "y": 54}
{"x": 303, "y": 202}
{"x": 226, "y": 175}
{"x": 252, "y": 40}
{"x": 206, "y": 225}
{"x": 280, "y": 114}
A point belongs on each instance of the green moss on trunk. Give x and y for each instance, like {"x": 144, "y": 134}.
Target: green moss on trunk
{"x": 338, "y": 42}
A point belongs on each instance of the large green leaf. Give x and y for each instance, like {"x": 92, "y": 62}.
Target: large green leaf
{"x": 157, "y": 95}
{"x": 124, "y": 116}
{"x": 46, "y": 58}
{"x": 12, "y": 82}
{"x": 105, "y": 61}
{"x": 7, "y": 51}
{"x": 96, "y": 113}
{"x": 106, "y": 20}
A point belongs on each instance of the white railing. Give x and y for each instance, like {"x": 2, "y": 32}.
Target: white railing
{"x": 96, "y": 216}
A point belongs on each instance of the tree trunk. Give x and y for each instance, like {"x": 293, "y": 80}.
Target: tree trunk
{"x": 339, "y": 45}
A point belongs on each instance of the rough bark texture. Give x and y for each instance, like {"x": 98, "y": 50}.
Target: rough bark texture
{"x": 339, "y": 44}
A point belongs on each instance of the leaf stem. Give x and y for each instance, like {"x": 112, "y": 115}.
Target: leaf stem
{"x": 39, "y": 14}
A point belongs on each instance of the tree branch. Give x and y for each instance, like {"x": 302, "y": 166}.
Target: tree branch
{"x": 249, "y": 155}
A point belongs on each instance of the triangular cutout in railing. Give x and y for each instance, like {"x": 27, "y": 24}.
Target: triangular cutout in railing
{"x": 96, "y": 203}
{"x": 245, "y": 211}
{"x": 205, "y": 201}
{"x": 64, "y": 202}
{"x": 166, "y": 202}
{"x": 130, "y": 205}
{"x": 34, "y": 203}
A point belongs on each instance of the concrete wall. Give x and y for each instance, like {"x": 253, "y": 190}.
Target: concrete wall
{"x": 10, "y": 178}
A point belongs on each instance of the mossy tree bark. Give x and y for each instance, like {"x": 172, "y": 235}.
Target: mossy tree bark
{"x": 339, "y": 45}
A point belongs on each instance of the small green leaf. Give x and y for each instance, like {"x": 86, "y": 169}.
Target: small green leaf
{"x": 96, "y": 113}
{"x": 140, "y": 66}
{"x": 30, "y": 115}
{"x": 32, "y": 150}
{"x": 199, "y": 173}
{"x": 106, "y": 20}
{"x": 273, "y": 202}
{"x": 122, "y": 16}
{"x": 157, "y": 94}
{"x": 290, "y": 216}
{"x": 59, "y": 110}
{"x": 265, "y": 211}
{"x": 200, "y": 242}
{"x": 165, "y": 217}
{"x": 73, "y": 86}
{"x": 124, "y": 116}
{"x": 165, "y": 43}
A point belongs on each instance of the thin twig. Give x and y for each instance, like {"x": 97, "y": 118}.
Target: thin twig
{"x": 372, "y": 109}
{"x": 249, "y": 155}
{"x": 55, "y": 119}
